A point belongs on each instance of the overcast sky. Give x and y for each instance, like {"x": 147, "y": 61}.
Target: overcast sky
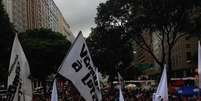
{"x": 79, "y": 14}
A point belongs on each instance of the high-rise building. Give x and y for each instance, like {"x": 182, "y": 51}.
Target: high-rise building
{"x": 54, "y": 16}
{"x": 143, "y": 59}
{"x": 16, "y": 10}
{"x": 183, "y": 56}
{"x": 64, "y": 28}
{"x": 38, "y": 15}
{"x": 33, "y": 14}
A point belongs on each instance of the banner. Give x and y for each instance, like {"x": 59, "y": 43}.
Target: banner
{"x": 199, "y": 63}
{"x": 54, "y": 95}
{"x": 121, "y": 98}
{"x": 120, "y": 80}
{"x": 19, "y": 85}
{"x": 79, "y": 68}
{"x": 99, "y": 86}
{"x": 162, "y": 90}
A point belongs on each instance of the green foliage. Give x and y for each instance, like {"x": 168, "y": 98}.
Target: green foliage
{"x": 110, "y": 50}
{"x": 171, "y": 19}
{"x": 45, "y": 51}
{"x": 6, "y": 39}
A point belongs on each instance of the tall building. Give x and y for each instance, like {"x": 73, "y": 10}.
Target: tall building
{"x": 33, "y": 14}
{"x": 143, "y": 59}
{"x": 38, "y": 15}
{"x": 184, "y": 55}
{"x": 54, "y": 16}
{"x": 16, "y": 10}
{"x": 64, "y": 28}
{"x": 57, "y": 22}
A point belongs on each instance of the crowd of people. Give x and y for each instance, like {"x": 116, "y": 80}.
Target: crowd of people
{"x": 111, "y": 93}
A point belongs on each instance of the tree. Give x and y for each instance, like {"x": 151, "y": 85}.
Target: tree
{"x": 45, "y": 51}
{"x": 111, "y": 51}
{"x": 168, "y": 20}
{"x": 6, "y": 40}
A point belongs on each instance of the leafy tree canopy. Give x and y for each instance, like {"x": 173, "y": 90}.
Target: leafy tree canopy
{"x": 45, "y": 51}
{"x": 6, "y": 39}
{"x": 120, "y": 21}
{"x": 112, "y": 52}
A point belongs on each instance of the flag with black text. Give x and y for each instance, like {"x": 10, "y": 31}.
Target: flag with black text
{"x": 19, "y": 85}
{"x": 79, "y": 68}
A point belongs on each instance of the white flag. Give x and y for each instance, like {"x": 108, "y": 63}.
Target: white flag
{"x": 121, "y": 98}
{"x": 18, "y": 75}
{"x": 199, "y": 63}
{"x": 98, "y": 79}
{"x": 120, "y": 80}
{"x": 79, "y": 68}
{"x": 162, "y": 90}
{"x": 54, "y": 96}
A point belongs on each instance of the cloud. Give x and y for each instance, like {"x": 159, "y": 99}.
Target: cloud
{"x": 79, "y": 14}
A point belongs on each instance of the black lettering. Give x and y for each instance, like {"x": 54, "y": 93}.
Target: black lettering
{"x": 95, "y": 80}
{"x": 92, "y": 72}
{"x": 92, "y": 90}
{"x": 87, "y": 61}
{"x": 90, "y": 68}
{"x": 90, "y": 83}
{"x": 84, "y": 80}
{"x": 94, "y": 97}
{"x": 77, "y": 66}
{"x": 83, "y": 52}
{"x": 13, "y": 65}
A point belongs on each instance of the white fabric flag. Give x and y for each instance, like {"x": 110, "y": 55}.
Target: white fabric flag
{"x": 54, "y": 96}
{"x": 18, "y": 74}
{"x": 121, "y": 98}
{"x": 98, "y": 79}
{"x": 120, "y": 79}
{"x": 79, "y": 68}
{"x": 162, "y": 90}
{"x": 199, "y": 63}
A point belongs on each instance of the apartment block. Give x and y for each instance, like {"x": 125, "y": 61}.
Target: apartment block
{"x": 33, "y": 14}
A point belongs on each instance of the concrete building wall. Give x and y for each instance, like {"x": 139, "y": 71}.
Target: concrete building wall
{"x": 33, "y": 14}
{"x": 184, "y": 55}
{"x": 143, "y": 57}
{"x": 64, "y": 28}
{"x": 17, "y": 13}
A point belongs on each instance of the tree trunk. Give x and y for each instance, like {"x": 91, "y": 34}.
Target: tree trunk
{"x": 169, "y": 65}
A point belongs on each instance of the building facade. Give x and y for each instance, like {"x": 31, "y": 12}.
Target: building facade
{"x": 143, "y": 57}
{"x": 34, "y": 14}
{"x": 64, "y": 28}
{"x": 183, "y": 57}
{"x": 16, "y": 10}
